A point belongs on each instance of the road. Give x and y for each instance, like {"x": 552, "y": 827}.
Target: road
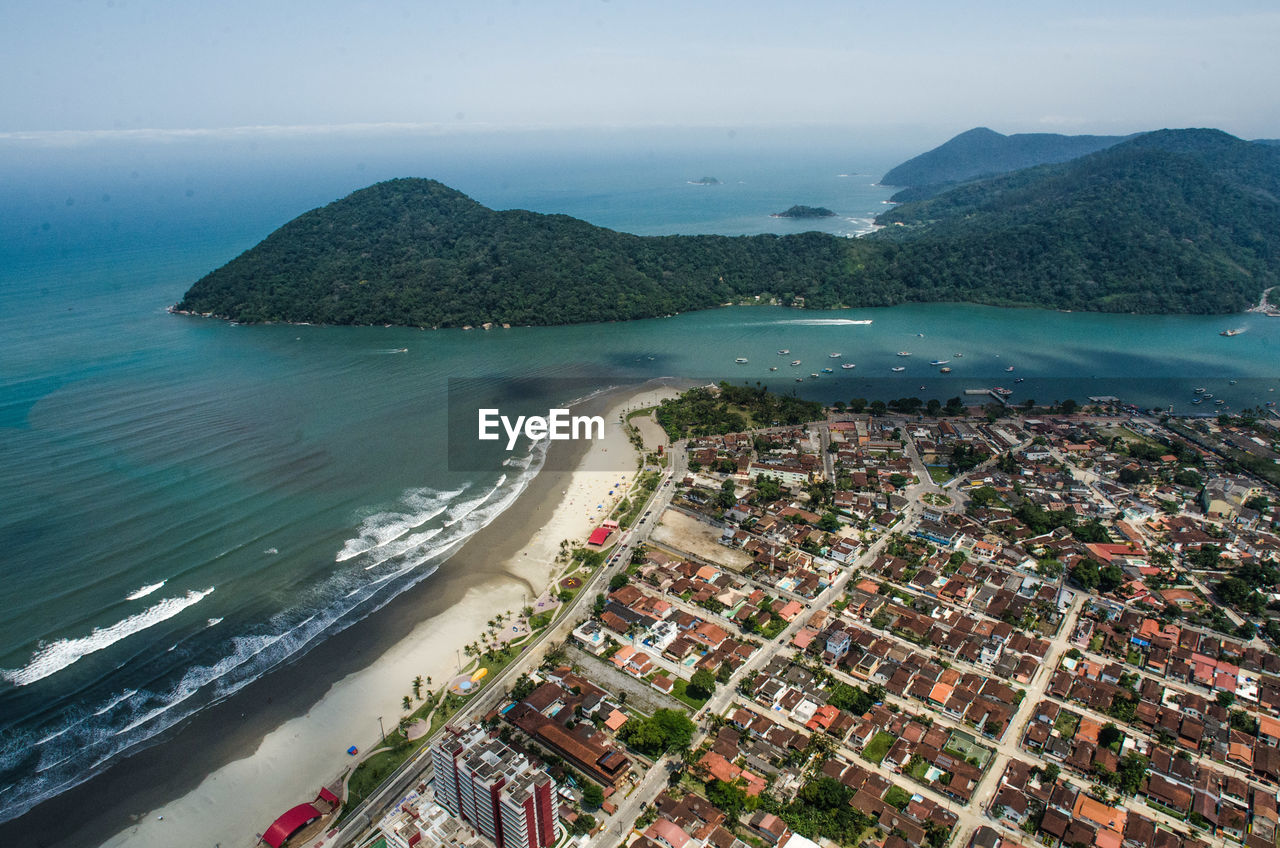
{"x": 417, "y": 768}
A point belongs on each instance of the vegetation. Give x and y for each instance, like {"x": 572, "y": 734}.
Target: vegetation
{"x": 806, "y": 212}
{"x": 981, "y": 152}
{"x": 1171, "y": 221}
{"x": 731, "y": 409}
{"x": 659, "y": 732}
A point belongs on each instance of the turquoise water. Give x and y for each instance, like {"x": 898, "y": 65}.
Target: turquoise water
{"x": 186, "y": 503}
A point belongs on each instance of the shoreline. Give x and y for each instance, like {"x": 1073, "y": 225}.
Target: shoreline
{"x": 225, "y": 774}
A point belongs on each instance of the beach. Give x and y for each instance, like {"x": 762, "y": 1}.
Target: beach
{"x": 258, "y": 763}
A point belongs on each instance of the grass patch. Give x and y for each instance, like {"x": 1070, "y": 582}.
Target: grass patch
{"x": 939, "y": 474}
{"x": 679, "y": 690}
{"x": 897, "y": 797}
{"x": 1066, "y": 724}
{"x": 878, "y": 747}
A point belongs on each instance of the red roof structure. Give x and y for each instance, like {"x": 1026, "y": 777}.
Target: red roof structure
{"x": 289, "y": 824}
{"x": 598, "y": 536}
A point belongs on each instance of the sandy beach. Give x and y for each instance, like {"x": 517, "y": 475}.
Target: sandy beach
{"x": 504, "y": 566}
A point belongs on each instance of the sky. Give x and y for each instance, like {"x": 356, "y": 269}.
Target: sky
{"x": 888, "y": 67}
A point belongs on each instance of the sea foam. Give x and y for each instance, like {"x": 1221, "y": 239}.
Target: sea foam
{"x": 51, "y": 658}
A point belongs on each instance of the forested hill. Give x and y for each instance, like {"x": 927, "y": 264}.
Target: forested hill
{"x": 1175, "y": 221}
{"x": 981, "y": 152}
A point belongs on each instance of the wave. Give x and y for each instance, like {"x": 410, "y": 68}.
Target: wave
{"x": 89, "y": 741}
{"x": 143, "y": 591}
{"x": 52, "y": 658}
{"x": 379, "y": 529}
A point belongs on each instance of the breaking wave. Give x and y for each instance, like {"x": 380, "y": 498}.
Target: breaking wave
{"x": 55, "y": 656}
{"x": 406, "y": 543}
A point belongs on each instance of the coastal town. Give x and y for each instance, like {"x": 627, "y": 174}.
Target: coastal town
{"x": 905, "y": 626}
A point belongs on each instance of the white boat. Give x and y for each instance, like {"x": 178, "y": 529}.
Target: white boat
{"x": 847, "y": 366}
{"x": 1010, "y": 368}
{"x": 1219, "y": 401}
{"x": 1200, "y": 390}
{"x": 814, "y": 376}
{"x": 833, "y": 356}
{"x": 940, "y": 362}
{"x": 795, "y": 362}
{"x": 898, "y": 368}
{"x": 741, "y": 360}
{"x": 1207, "y": 396}
{"x": 799, "y": 379}
{"x": 773, "y": 368}
{"x": 958, "y": 355}
{"x": 783, "y": 352}
{"x": 904, "y": 353}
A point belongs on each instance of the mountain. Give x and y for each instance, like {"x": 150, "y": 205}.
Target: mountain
{"x": 1139, "y": 226}
{"x": 1171, "y": 221}
{"x": 982, "y": 152}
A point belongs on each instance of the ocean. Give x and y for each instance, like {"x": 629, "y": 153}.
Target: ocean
{"x": 187, "y": 504}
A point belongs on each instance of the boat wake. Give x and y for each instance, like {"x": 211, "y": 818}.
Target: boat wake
{"x": 824, "y": 322}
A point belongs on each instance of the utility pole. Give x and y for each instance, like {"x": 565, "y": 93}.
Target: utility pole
{"x": 380, "y": 728}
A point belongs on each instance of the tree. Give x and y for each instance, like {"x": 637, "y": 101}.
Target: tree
{"x": 417, "y": 687}
{"x": 617, "y": 581}
{"x": 407, "y": 703}
{"x": 592, "y": 796}
{"x": 727, "y": 497}
{"x": 583, "y": 824}
{"x": 702, "y": 684}
{"x": 1226, "y": 699}
{"x": 1051, "y": 772}
{"x": 732, "y": 800}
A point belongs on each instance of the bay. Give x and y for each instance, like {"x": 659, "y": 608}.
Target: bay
{"x": 186, "y": 504}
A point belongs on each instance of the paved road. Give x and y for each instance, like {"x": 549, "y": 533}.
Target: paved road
{"x": 417, "y": 768}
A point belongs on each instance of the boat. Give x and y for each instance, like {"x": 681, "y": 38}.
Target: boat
{"x": 1003, "y": 392}
{"x": 1200, "y": 390}
{"x": 1233, "y": 382}
{"x": 783, "y": 352}
{"x": 773, "y": 368}
{"x": 847, "y": 366}
{"x": 795, "y": 362}
{"x": 828, "y": 371}
{"x": 940, "y": 362}
{"x": 898, "y": 368}
{"x": 799, "y": 379}
{"x": 958, "y": 355}
{"x": 944, "y": 370}
{"x": 1010, "y": 368}
{"x": 401, "y": 350}
{"x": 904, "y": 353}
{"x": 833, "y": 356}
{"x": 814, "y": 376}
{"x": 1198, "y": 400}
{"x": 1229, "y": 333}
{"x": 1206, "y": 396}
{"x": 741, "y": 360}
{"x": 1019, "y": 380}
{"x": 1219, "y": 402}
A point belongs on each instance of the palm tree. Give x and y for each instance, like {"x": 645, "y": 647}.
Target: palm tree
{"x": 407, "y": 703}
{"x": 417, "y": 687}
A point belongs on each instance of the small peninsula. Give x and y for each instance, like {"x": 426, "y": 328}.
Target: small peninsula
{"x": 805, "y": 212}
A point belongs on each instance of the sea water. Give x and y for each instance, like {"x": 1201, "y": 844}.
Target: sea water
{"x": 185, "y": 504}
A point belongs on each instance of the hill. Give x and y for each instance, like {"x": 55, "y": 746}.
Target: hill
{"x": 1135, "y": 227}
{"x": 1174, "y": 221}
{"x": 982, "y": 152}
